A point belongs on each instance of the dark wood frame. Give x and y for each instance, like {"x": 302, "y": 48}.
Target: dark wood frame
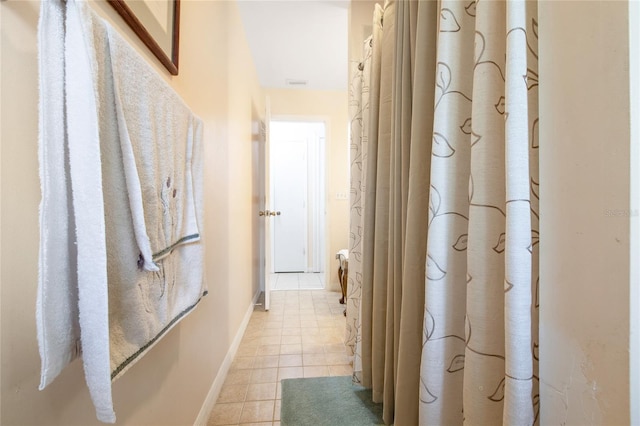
{"x": 171, "y": 63}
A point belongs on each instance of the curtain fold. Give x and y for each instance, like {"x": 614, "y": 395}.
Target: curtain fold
{"x": 419, "y": 46}
{"x": 359, "y": 111}
{"x": 376, "y": 242}
{"x": 396, "y": 206}
{"x": 367, "y": 307}
{"x": 442, "y": 368}
{"x": 443, "y": 323}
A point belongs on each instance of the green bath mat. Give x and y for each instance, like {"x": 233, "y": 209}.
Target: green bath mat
{"x": 327, "y": 401}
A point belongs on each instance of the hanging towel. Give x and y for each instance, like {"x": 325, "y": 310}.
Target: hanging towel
{"x": 156, "y": 136}
{"x": 134, "y": 183}
{"x": 160, "y": 142}
{"x": 56, "y": 307}
{"x": 85, "y": 166}
{"x": 344, "y": 253}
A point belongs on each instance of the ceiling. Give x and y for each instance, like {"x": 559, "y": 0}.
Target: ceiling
{"x": 298, "y": 41}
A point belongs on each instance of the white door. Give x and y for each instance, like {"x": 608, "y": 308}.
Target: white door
{"x": 289, "y": 200}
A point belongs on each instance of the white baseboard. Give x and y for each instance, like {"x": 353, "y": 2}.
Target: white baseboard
{"x": 216, "y": 386}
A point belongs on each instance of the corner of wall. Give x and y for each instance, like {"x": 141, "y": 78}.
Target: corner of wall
{"x": 634, "y": 244}
{"x": 218, "y": 382}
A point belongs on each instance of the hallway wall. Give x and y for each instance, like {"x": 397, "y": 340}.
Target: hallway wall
{"x": 585, "y": 213}
{"x": 332, "y": 107}
{"x": 360, "y": 27}
{"x": 168, "y": 386}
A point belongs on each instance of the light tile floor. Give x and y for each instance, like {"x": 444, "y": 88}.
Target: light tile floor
{"x": 301, "y": 336}
{"x": 297, "y": 281}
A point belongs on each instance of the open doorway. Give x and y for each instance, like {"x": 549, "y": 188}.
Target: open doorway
{"x": 297, "y": 187}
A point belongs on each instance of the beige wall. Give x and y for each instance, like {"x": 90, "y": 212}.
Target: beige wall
{"x": 331, "y": 107}
{"x": 360, "y": 26}
{"x": 584, "y": 213}
{"x": 168, "y": 386}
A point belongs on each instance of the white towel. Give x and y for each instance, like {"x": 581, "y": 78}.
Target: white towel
{"x": 343, "y": 257}
{"x": 135, "y": 172}
{"x": 344, "y": 253}
{"x": 83, "y": 132}
{"x": 56, "y": 307}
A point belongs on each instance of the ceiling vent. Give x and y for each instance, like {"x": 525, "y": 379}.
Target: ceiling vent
{"x": 295, "y": 82}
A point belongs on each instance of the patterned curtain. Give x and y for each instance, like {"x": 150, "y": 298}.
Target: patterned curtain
{"x": 359, "y": 111}
{"x": 479, "y": 360}
{"x": 447, "y": 327}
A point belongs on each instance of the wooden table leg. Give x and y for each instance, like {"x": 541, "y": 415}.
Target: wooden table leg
{"x": 343, "y": 286}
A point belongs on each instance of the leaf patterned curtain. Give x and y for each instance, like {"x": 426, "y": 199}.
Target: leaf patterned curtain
{"x": 443, "y": 320}
{"x": 479, "y": 359}
{"x": 359, "y": 111}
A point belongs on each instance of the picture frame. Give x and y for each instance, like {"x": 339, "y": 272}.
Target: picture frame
{"x": 157, "y": 24}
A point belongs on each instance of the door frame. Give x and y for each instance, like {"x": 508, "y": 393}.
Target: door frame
{"x": 265, "y": 176}
{"x": 634, "y": 207}
{"x": 327, "y": 162}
